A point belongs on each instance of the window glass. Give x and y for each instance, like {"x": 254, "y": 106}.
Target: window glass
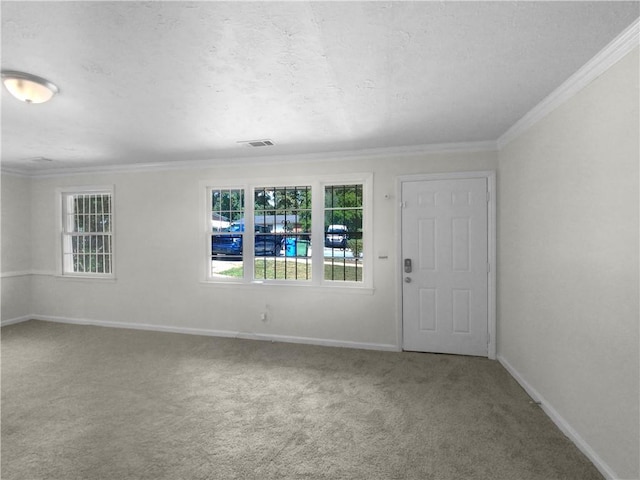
{"x": 277, "y": 233}
{"x": 87, "y": 233}
{"x": 282, "y": 239}
{"x": 343, "y": 211}
{"x": 227, "y": 226}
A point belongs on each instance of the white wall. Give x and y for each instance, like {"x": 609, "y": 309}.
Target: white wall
{"x": 159, "y": 257}
{"x": 15, "y": 246}
{"x": 568, "y": 264}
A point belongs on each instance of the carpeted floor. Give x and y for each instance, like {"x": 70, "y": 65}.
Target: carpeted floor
{"x": 92, "y": 403}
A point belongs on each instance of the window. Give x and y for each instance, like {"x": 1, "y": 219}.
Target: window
{"x": 227, "y": 224}
{"x": 343, "y": 232}
{"x": 282, "y": 233}
{"x": 87, "y": 233}
{"x": 306, "y": 233}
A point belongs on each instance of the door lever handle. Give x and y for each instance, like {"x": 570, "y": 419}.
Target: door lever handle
{"x": 407, "y": 279}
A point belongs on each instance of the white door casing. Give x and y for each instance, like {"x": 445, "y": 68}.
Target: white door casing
{"x": 446, "y": 231}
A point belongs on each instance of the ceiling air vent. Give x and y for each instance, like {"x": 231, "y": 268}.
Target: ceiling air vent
{"x": 257, "y": 143}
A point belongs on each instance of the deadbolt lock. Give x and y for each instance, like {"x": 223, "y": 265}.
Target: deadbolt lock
{"x": 407, "y": 265}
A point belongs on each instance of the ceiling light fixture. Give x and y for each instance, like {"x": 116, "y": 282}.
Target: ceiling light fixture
{"x": 28, "y": 88}
{"x": 257, "y": 143}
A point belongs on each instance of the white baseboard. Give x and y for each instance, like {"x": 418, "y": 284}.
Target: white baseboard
{"x": 11, "y": 321}
{"x": 560, "y": 422}
{"x": 220, "y": 333}
{"x": 320, "y": 341}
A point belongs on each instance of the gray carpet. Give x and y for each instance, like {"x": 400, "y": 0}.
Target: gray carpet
{"x": 82, "y": 402}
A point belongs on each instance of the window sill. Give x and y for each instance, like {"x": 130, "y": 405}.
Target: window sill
{"x": 91, "y": 278}
{"x": 337, "y": 289}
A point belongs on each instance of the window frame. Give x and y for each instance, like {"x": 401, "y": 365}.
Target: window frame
{"x": 247, "y": 240}
{"x": 63, "y": 235}
{"x": 317, "y": 184}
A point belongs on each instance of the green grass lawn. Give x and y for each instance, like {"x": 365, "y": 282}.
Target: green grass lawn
{"x": 290, "y": 269}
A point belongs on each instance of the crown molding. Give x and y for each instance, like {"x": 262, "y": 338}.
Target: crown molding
{"x": 374, "y": 153}
{"x": 14, "y": 172}
{"x": 605, "y": 59}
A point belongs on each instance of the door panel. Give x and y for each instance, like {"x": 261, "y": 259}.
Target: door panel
{"x": 445, "y": 297}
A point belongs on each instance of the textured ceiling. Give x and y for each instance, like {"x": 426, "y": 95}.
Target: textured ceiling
{"x": 149, "y": 82}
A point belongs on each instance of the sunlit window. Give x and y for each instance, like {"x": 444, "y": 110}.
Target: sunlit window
{"x": 87, "y": 241}
{"x": 303, "y": 233}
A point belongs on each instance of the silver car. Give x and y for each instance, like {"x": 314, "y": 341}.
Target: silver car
{"x": 336, "y": 236}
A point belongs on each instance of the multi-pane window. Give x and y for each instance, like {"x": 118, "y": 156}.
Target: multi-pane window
{"x": 303, "y": 233}
{"x": 226, "y": 215}
{"x": 282, "y": 233}
{"x": 87, "y": 243}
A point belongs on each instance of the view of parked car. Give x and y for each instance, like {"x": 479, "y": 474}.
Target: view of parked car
{"x": 336, "y": 236}
{"x": 229, "y": 244}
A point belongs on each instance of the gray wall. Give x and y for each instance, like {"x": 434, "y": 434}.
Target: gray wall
{"x": 159, "y": 258}
{"x": 568, "y": 264}
{"x": 15, "y": 251}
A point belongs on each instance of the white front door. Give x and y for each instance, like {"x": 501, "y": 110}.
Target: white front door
{"x": 445, "y": 266}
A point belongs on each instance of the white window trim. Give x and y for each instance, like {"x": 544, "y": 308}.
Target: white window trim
{"x": 59, "y": 243}
{"x": 317, "y": 183}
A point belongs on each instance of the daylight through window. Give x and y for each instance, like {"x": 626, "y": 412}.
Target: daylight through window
{"x": 343, "y": 232}
{"x": 284, "y": 233}
{"x": 87, "y": 233}
{"x": 227, "y": 226}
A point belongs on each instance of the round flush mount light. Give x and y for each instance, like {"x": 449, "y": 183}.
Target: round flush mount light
{"x": 28, "y": 88}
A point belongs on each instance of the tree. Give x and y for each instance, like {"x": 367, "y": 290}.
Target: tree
{"x": 228, "y": 203}
{"x": 343, "y": 206}
{"x": 285, "y": 201}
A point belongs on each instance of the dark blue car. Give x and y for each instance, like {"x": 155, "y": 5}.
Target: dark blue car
{"x": 229, "y": 244}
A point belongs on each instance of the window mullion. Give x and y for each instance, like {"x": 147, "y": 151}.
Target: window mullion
{"x": 317, "y": 233}
{"x": 248, "y": 240}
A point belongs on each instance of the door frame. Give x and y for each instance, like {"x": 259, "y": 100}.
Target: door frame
{"x": 490, "y": 176}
